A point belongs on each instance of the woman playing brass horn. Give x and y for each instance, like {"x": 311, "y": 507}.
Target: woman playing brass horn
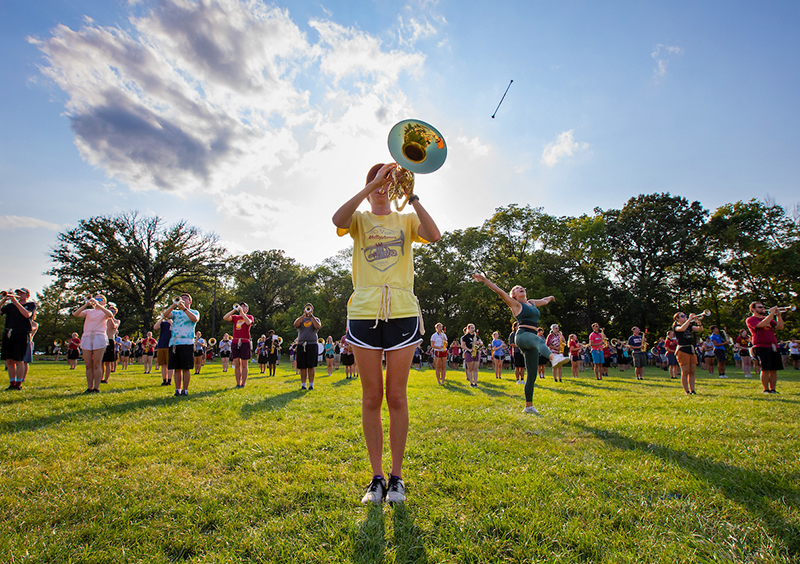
{"x": 383, "y": 315}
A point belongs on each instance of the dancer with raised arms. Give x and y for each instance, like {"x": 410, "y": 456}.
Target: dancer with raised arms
{"x": 532, "y": 346}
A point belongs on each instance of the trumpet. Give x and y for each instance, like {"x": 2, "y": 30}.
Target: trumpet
{"x": 614, "y": 342}
{"x": 706, "y": 313}
{"x": 236, "y": 307}
{"x": 417, "y": 147}
{"x": 6, "y": 294}
{"x": 308, "y": 310}
{"x": 57, "y": 343}
{"x": 784, "y": 309}
{"x": 212, "y": 341}
{"x": 176, "y": 300}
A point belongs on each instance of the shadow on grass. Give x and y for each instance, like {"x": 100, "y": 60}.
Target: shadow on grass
{"x": 369, "y": 538}
{"x": 408, "y": 540}
{"x": 87, "y": 412}
{"x": 756, "y": 492}
{"x": 273, "y": 403}
{"x": 343, "y": 382}
{"x": 452, "y": 387}
{"x": 564, "y": 391}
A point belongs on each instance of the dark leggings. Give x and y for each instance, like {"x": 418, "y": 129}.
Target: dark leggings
{"x": 532, "y": 346}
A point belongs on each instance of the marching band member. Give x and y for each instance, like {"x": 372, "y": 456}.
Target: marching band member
{"x": 19, "y": 314}
{"x": 527, "y": 313}
{"x": 574, "y": 354}
{"x": 241, "y": 348}
{"x": 225, "y": 351}
{"x": 148, "y": 351}
{"x": 719, "y": 349}
{"x": 164, "y": 328}
{"x": 273, "y": 348}
{"x": 110, "y": 354}
{"x": 671, "y": 346}
{"x": 306, "y": 351}
{"x": 95, "y": 339}
{"x": 199, "y": 352}
{"x": 181, "y": 342}
{"x": 261, "y": 353}
{"x": 635, "y": 343}
{"x": 762, "y": 325}
{"x": 439, "y": 346}
{"x": 555, "y": 342}
{"x": 471, "y": 343}
{"x": 596, "y": 340}
{"x": 383, "y": 315}
{"x": 684, "y": 328}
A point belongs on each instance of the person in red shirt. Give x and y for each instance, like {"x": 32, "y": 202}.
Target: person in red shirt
{"x": 574, "y": 354}
{"x": 148, "y": 350}
{"x": 742, "y": 346}
{"x": 241, "y": 347}
{"x": 762, "y": 325}
{"x": 671, "y": 346}
{"x": 73, "y": 351}
{"x": 597, "y": 340}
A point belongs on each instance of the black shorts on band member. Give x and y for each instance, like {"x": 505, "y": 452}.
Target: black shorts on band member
{"x": 306, "y": 355}
{"x": 181, "y": 357}
{"x": 391, "y": 335}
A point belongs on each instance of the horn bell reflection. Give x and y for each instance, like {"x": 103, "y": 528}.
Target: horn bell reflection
{"x": 417, "y": 147}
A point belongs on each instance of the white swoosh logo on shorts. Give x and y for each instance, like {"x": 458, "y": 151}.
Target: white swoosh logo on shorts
{"x": 406, "y": 334}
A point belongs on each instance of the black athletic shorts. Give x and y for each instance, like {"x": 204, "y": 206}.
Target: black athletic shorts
{"x": 181, "y": 357}
{"x": 15, "y": 345}
{"x": 306, "y": 355}
{"x": 111, "y": 353}
{"x": 769, "y": 359}
{"x": 720, "y": 354}
{"x": 391, "y": 335}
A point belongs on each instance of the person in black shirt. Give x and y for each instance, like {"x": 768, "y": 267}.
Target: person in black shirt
{"x": 19, "y": 313}
{"x": 685, "y": 327}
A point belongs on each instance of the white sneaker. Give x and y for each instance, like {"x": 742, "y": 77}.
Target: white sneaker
{"x": 376, "y": 490}
{"x": 395, "y": 490}
{"x": 530, "y": 409}
{"x": 559, "y": 360}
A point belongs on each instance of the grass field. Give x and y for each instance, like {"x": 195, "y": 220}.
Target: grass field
{"x": 613, "y": 471}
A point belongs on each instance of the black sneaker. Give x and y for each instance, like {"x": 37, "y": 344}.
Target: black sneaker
{"x": 376, "y": 491}
{"x": 396, "y": 490}
{"x": 177, "y": 393}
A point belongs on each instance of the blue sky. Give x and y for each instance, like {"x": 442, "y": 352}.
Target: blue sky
{"x": 256, "y": 121}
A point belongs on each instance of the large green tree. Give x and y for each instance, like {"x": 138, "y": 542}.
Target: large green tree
{"x": 270, "y": 282}
{"x": 136, "y": 260}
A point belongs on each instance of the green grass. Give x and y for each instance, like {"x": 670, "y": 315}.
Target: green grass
{"x": 613, "y": 471}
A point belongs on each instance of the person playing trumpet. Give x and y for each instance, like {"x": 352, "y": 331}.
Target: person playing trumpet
{"x": 241, "y": 347}
{"x": 95, "y": 339}
{"x": 19, "y": 313}
{"x": 306, "y": 351}
{"x": 181, "y": 342}
{"x": 110, "y": 354}
{"x": 597, "y": 341}
{"x": 685, "y": 326}
{"x": 762, "y": 325}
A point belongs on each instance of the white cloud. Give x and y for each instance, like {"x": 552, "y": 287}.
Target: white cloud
{"x": 661, "y": 55}
{"x": 564, "y": 146}
{"x": 9, "y": 222}
{"x": 230, "y": 99}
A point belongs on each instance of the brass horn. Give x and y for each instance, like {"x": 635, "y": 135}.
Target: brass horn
{"x": 784, "y": 309}
{"x": 417, "y": 147}
{"x": 212, "y": 341}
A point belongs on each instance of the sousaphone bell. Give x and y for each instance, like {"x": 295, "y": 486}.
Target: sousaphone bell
{"x": 417, "y": 147}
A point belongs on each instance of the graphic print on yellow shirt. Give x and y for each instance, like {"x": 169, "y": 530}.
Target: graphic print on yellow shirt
{"x": 382, "y": 256}
{"x": 384, "y": 247}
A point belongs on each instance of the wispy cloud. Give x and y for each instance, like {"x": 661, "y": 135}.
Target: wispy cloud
{"x": 661, "y": 54}
{"x": 10, "y": 222}
{"x": 563, "y": 146}
{"x": 207, "y": 94}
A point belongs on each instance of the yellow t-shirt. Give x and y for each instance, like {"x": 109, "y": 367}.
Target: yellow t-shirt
{"x": 382, "y": 255}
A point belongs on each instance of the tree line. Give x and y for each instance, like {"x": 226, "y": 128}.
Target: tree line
{"x": 636, "y": 265}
